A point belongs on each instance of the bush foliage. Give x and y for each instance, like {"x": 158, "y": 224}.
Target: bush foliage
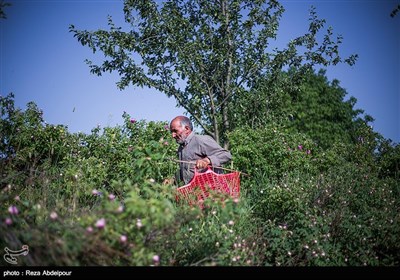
{"x": 100, "y": 198}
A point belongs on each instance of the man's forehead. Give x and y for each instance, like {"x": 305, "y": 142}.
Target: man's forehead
{"x": 175, "y": 123}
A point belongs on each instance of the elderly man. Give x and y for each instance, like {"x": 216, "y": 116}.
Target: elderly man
{"x": 195, "y": 150}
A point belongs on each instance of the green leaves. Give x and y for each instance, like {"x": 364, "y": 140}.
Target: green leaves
{"x": 208, "y": 56}
{"x": 65, "y": 194}
{"x": 215, "y": 52}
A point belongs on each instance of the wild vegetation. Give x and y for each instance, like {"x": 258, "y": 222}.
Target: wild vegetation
{"x": 99, "y": 198}
{"x": 321, "y": 187}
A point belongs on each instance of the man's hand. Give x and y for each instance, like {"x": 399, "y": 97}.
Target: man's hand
{"x": 203, "y": 163}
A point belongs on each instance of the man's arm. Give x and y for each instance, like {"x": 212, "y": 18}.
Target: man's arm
{"x": 214, "y": 153}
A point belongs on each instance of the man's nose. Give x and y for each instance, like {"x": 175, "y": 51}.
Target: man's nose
{"x": 173, "y": 134}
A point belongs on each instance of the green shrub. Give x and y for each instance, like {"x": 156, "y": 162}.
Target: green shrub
{"x": 99, "y": 198}
{"x": 271, "y": 151}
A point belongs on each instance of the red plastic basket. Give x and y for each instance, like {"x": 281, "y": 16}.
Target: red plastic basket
{"x": 198, "y": 189}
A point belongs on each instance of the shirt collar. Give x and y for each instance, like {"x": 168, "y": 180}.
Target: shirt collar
{"x": 188, "y": 139}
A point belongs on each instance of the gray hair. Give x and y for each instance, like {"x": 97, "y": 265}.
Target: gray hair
{"x": 184, "y": 121}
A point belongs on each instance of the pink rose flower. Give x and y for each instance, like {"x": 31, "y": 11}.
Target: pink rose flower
{"x": 13, "y": 210}
{"x": 101, "y": 223}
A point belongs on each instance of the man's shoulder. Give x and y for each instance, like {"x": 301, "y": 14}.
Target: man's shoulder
{"x": 203, "y": 137}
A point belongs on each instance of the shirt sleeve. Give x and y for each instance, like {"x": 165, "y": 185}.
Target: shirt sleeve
{"x": 214, "y": 151}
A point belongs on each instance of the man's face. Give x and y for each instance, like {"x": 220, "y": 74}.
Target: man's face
{"x": 179, "y": 132}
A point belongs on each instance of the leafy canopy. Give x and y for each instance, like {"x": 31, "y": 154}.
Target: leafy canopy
{"x": 205, "y": 53}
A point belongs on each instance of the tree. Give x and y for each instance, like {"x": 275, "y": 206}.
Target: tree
{"x": 2, "y": 6}
{"x": 395, "y": 11}
{"x": 315, "y": 107}
{"x": 205, "y": 53}
{"x": 320, "y": 111}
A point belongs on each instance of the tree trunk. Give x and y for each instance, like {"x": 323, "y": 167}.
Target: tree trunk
{"x": 226, "y": 88}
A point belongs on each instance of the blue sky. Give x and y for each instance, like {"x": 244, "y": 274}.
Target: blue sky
{"x": 40, "y": 61}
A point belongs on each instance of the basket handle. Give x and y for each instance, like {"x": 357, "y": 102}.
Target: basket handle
{"x": 191, "y": 162}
